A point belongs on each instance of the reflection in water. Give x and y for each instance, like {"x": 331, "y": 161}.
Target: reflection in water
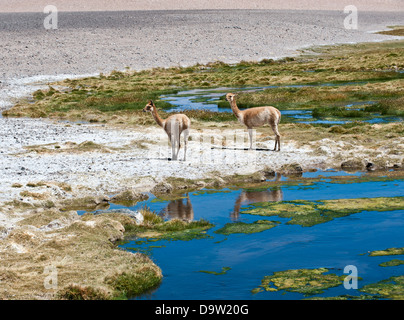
{"x": 247, "y": 197}
{"x": 179, "y": 209}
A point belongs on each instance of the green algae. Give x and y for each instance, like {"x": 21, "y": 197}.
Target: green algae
{"x": 310, "y": 213}
{"x": 208, "y": 191}
{"x": 127, "y": 285}
{"x": 155, "y": 229}
{"x": 391, "y": 288}
{"x": 306, "y": 281}
{"x": 387, "y": 252}
{"x": 392, "y": 263}
{"x": 224, "y": 271}
{"x": 248, "y": 228}
{"x": 166, "y": 198}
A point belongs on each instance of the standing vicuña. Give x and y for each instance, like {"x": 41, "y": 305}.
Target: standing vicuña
{"x": 174, "y": 125}
{"x": 257, "y": 117}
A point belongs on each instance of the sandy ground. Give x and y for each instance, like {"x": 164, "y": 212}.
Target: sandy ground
{"x": 113, "y": 5}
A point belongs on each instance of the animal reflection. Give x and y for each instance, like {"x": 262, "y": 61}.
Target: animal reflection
{"x": 247, "y": 197}
{"x": 179, "y": 209}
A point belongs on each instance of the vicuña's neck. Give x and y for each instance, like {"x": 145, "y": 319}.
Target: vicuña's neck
{"x": 234, "y": 108}
{"x": 157, "y": 117}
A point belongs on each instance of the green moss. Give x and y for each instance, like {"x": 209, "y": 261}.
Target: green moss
{"x": 224, "y": 271}
{"x": 207, "y": 191}
{"x": 242, "y": 227}
{"x": 392, "y": 263}
{"x": 310, "y": 213}
{"x": 76, "y": 292}
{"x": 387, "y": 252}
{"x": 127, "y": 285}
{"x": 392, "y": 288}
{"x": 184, "y": 231}
{"x": 306, "y": 281}
{"x": 154, "y": 227}
{"x": 388, "y": 107}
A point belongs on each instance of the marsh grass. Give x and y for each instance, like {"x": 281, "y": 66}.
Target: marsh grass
{"x": 111, "y": 98}
{"x": 387, "y": 252}
{"x": 224, "y": 271}
{"x": 391, "y": 107}
{"x": 306, "y": 281}
{"x": 392, "y": 263}
{"x": 154, "y": 226}
{"x": 392, "y": 288}
{"x": 77, "y": 292}
{"x": 247, "y": 228}
{"x": 89, "y": 264}
{"x": 395, "y": 31}
{"x": 310, "y": 213}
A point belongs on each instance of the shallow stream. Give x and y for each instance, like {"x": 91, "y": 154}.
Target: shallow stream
{"x": 208, "y": 99}
{"x": 221, "y": 266}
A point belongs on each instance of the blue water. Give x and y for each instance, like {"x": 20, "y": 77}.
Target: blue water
{"x": 187, "y": 100}
{"x": 334, "y": 244}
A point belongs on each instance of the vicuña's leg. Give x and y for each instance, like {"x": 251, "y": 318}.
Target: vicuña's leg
{"x": 250, "y": 133}
{"x": 173, "y": 147}
{"x": 186, "y": 135}
{"x": 277, "y": 137}
{"x": 178, "y": 142}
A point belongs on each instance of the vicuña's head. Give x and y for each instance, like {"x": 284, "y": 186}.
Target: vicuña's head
{"x": 230, "y": 97}
{"x": 149, "y": 107}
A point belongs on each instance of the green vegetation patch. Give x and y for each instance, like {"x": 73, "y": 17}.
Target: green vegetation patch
{"x": 208, "y": 191}
{"x": 395, "y": 31}
{"x": 388, "y": 107}
{"x": 154, "y": 227}
{"x": 119, "y": 96}
{"x": 77, "y": 292}
{"x": 392, "y": 263}
{"x": 127, "y": 285}
{"x": 392, "y": 288}
{"x": 242, "y": 227}
{"x": 224, "y": 271}
{"x": 310, "y": 213}
{"x": 306, "y": 281}
{"x": 387, "y": 252}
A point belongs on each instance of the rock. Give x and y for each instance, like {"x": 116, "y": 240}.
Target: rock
{"x": 133, "y": 214}
{"x": 129, "y": 196}
{"x": 291, "y": 169}
{"x": 162, "y": 187}
{"x": 268, "y": 172}
{"x": 352, "y": 164}
{"x": 55, "y": 224}
{"x": 370, "y": 166}
{"x": 200, "y": 184}
{"x": 101, "y": 200}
